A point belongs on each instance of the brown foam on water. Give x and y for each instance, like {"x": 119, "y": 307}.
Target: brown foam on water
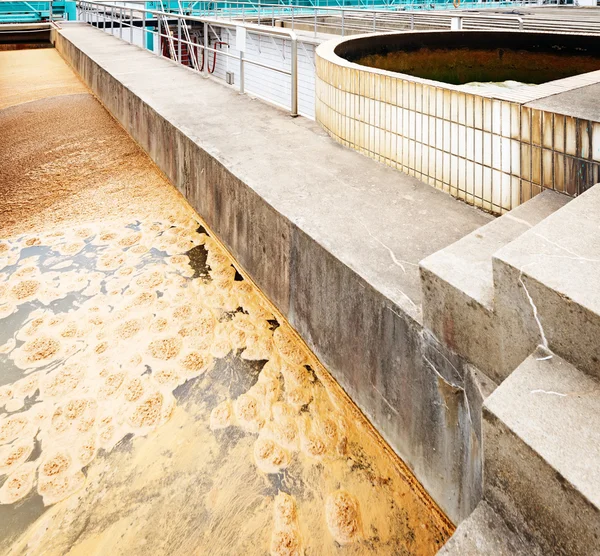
{"x": 92, "y": 423}
{"x": 343, "y": 517}
{"x": 285, "y": 539}
{"x": 92, "y": 390}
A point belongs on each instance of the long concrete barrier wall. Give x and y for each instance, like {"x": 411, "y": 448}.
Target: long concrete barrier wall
{"x": 424, "y": 400}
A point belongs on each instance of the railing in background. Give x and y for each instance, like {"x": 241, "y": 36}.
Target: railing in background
{"x": 350, "y": 20}
{"x": 130, "y": 19}
{"x": 215, "y": 8}
{"x": 12, "y": 11}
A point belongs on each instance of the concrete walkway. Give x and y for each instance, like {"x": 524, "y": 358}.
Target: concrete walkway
{"x": 378, "y": 221}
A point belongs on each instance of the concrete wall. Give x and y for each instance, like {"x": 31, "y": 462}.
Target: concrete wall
{"x": 424, "y": 400}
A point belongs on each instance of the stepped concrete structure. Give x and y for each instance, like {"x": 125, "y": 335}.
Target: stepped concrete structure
{"x": 472, "y": 343}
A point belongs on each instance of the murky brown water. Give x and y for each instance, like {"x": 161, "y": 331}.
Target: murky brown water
{"x": 152, "y": 399}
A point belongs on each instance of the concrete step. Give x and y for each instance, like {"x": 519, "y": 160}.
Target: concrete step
{"x": 546, "y": 288}
{"x": 458, "y": 286}
{"x": 541, "y": 434}
{"x": 485, "y": 533}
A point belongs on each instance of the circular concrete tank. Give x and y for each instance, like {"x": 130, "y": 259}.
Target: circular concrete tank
{"x": 467, "y": 56}
{"x": 409, "y": 100}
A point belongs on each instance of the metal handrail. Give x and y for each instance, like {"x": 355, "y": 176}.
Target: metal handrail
{"x": 114, "y": 9}
{"x": 346, "y": 19}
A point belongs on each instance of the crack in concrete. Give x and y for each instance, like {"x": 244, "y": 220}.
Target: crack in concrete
{"x": 398, "y": 262}
{"x": 519, "y": 220}
{"x": 446, "y": 381}
{"x": 562, "y": 248}
{"x": 550, "y": 392}
{"x": 544, "y": 344}
{"x": 392, "y": 409}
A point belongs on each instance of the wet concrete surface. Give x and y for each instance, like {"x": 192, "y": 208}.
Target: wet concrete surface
{"x": 150, "y": 397}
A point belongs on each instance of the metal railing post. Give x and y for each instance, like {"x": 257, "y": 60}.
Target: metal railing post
{"x": 374, "y": 21}
{"x": 294, "y": 77}
{"x": 144, "y": 26}
{"x": 121, "y": 23}
{"x": 179, "y": 40}
{"x": 241, "y": 72}
{"x": 131, "y": 26}
{"x": 205, "y": 56}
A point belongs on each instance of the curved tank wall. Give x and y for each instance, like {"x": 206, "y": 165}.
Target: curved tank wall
{"x": 491, "y": 147}
{"x": 462, "y": 57}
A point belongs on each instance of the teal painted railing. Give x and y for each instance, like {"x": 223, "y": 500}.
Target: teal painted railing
{"x": 34, "y": 12}
{"x": 234, "y": 7}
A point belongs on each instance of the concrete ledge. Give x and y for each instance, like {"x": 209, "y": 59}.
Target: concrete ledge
{"x": 542, "y": 448}
{"x": 547, "y": 287}
{"x": 458, "y": 305}
{"x": 484, "y": 533}
{"x": 333, "y": 238}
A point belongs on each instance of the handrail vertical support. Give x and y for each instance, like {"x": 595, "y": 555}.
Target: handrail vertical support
{"x": 205, "y": 54}
{"x": 241, "y": 72}
{"x": 179, "y": 40}
{"x": 294, "y": 76}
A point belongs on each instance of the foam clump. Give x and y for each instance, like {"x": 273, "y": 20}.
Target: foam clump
{"x": 285, "y": 538}
{"x": 342, "y": 514}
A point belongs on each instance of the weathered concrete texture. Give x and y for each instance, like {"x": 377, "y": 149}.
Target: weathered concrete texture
{"x": 546, "y": 287}
{"x": 484, "y": 533}
{"x": 333, "y": 238}
{"x": 542, "y": 448}
{"x": 458, "y": 302}
{"x": 579, "y": 103}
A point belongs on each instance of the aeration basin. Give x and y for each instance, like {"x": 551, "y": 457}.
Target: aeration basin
{"x": 492, "y": 117}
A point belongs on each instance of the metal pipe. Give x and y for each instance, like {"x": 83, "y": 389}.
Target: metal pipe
{"x": 131, "y": 26}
